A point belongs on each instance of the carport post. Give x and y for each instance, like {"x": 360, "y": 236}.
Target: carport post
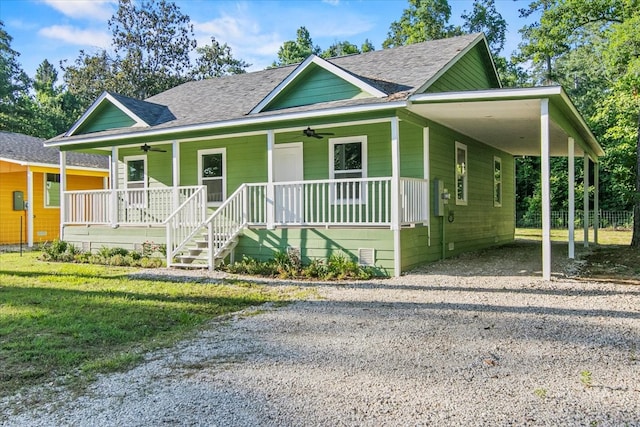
{"x": 572, "y": 198}
{"x": 586, "y": 200}
{"x": 596, "y": 207}
{"x": 546, "y": 189}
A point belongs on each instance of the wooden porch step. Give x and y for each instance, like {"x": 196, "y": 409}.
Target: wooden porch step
{"x": 182, "y": 265}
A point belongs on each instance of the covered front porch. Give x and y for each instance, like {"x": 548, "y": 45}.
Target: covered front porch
{"x": 196, "y": 235}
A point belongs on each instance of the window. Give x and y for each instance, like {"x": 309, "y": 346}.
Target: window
{"x": 497, "y": 182}
{"x": 461, "y": 174}
{"x": 348, "y": 160}
{"x": 212, "y": 171}
{"x": 135, "y": 179}
{"x": 51, "y": 190}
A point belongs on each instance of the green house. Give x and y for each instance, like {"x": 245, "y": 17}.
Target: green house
{"x": 395, "y": 158}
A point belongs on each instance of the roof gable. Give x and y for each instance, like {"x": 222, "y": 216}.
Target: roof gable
{"x": 113, "y": 111}
{"x": 314, "y": 81}
{"x": 472, "y": 69}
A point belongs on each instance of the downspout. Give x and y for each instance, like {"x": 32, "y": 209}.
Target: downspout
{"x": 395, "y": 195}
{"x": 427, "y": 172}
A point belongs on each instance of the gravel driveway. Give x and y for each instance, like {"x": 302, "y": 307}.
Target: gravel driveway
{"x": 477, "y": 340}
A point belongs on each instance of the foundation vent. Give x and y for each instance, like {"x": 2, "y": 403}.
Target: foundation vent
{"x": 367, "y": 257}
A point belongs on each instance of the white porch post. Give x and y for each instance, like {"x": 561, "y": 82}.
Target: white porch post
{"x": 175, "y": 162}
{"x": 427, "y": 173}
{"x": 546, "y": 189}
{"x": 572, "y": 197}
{"x": 395, "y": 194}
{"x": 270, "y": 205}
{"x": 586, "y": 201}
{"x": 30, "y": 207}
{"x": 596, "y": 201}
{"x": 114, "y": 186}
{"x": 63, "y": 189}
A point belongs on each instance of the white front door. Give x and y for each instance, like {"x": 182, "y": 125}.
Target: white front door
{"x": 288, "y": 167}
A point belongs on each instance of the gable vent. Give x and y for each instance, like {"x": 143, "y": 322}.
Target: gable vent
{"x": 367, "y": 257}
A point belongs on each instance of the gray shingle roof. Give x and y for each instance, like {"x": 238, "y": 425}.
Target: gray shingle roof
{"x": 152, "y": 114}
{"x": 25, "y": 148}
{"x": 398, "y": 72}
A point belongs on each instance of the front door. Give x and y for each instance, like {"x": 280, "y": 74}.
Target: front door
{"x": 288, "y": 167}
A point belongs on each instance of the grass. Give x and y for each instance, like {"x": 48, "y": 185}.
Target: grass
{"x": 61, "y": 320}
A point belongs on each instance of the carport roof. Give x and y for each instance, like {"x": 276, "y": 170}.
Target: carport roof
{"x": 509, "y": 119}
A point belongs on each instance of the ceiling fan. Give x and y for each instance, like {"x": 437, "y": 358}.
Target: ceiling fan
{"x": 313, "y": 134}
{"x": 146, "y": 148}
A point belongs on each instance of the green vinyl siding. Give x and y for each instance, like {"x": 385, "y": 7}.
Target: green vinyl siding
{"x": 317, "y": 243}
{"x": 471, "y": 72}
{"x": 313, "y": 86}
{"x": 159, "y": 165}
{"x": 478, "y": 224}
{"x": 106, "y": 116}
{"x": 246, "y": 160}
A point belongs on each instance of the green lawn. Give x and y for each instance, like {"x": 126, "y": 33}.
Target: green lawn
{"x": 71, "y": 321}
{"x": 605, "y": 236}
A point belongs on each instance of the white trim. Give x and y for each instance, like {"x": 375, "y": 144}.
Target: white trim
{"x": 245, "y": 121}
{"x": 30, "y": 207}
{"x": 362, "y": 140}
{"x": 546, "y": 189}
{"x": 126, "y": 160}
{"x": 106, "y": 96}
{"x": 596, "y": 201}
{"x": 63, "y": 188}
{"x": 497, "y": 203}
{"x": 465, "y": 190}
{"x": 328, "y": 66}
{"x": 271, "y": 206}
{"x": 395, "y": 196}
{"x": 572, "y": 197}
{"x": 585, "y": 200}
{"x": 45, "y": 192}
{"x": 427, "y": 176}
{"x": 222, "y": 151}
{"x": 50, "y": 165}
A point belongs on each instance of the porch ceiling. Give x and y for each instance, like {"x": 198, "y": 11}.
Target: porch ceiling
{"x": 511, "y": 124}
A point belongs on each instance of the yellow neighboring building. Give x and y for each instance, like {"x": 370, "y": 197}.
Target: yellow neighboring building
{"x": 30, "y": 186}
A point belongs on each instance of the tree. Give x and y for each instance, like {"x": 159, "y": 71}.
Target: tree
{"x": 90, "y": 75}
{"x": 615, "y": 27}
{"x": 340, "y": 49}
{"x": 216, "y": 60}
{"x": 153, "y": 40}
{"x": 296, "y": 51}
{"x": 16, "y": 106}
{"x": 484, "y": 18}
{"x": 423, "y": 20}
{"x": 367, "y": 46}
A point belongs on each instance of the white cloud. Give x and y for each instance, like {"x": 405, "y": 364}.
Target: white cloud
{"x": 99, "y": 10}
{"x": 76, "y": 36}
{"x": 245, "y": 37}
{"x": 331, "y": 2}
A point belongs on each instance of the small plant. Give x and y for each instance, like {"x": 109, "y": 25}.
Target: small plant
{"x": 586, "y": 379}
{"x": 150, "y": 249}
{"x": 540, "y": 392}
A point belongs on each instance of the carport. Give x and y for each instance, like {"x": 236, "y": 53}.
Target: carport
{"x": 540, "y": 121}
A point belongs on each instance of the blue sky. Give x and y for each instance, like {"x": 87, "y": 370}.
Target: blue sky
{"x": 58, "y": 29}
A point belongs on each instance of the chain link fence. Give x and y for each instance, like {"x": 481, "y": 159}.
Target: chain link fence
{"x": 618, "y": 220}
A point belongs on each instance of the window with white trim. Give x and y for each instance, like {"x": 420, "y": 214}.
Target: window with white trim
{"x": 348, "y": 161}
{"x": 461, "y": 174}
{"x": 497, "y": 182}
{"x": 136, "y": 179}
{"x": 51, "y": 190}
{"x": 212, "y": 174}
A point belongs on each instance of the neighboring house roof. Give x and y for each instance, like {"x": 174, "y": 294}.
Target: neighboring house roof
{"x": 19, "y": 148}
{"x": 382, "y": 76}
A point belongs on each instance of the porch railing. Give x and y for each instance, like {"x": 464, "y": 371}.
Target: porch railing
{"x": 183, "y": 224}
{"x": 357, "y": 201}
{"x": 149, "y": 206}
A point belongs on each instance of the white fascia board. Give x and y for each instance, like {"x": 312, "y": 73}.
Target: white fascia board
{"x": 313, "y": 59}
{"x": 237, "y": 122}
{"x": 106, "y": 96}
{"x": 50, "y": 165}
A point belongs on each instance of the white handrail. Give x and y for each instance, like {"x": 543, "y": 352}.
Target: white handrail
{"x": 184, "y": 223}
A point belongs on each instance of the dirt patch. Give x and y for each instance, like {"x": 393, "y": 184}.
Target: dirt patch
{"x": 613, "y": 263}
